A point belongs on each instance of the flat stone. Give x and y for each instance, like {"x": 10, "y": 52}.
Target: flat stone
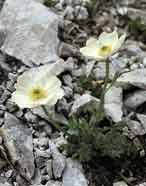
{"x": 120, "y": 183}
{"x": 142, "y": 119}
{"x": 113, "y": 103}
{"x": 136, "y": 128}
{"x": 18, "y": 141}
{"x": 136, "y": 78}
{"x": 82, "y": 102}
{"x": 135, "y": 99}
{"x": 73, "y": 174}
{"x": 141, "y": 184}
{"x": 31, "y": 31}
{"x": 134, "y": 13}
{"x": 59, "y": 161}
{"x": 53, "y": 183}
{"x": 99, "y": 71}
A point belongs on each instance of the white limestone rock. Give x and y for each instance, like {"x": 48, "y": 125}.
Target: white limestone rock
{"x": 73, "y": 174}
{"x": 31, "y": 31}
{"x": 136, "y": 78}
{"x": 113, "y": 103}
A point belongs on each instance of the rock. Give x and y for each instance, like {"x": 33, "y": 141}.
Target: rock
{"x": 142, "y": 119}
{"x": 18, "y": 141}
{"x": 3, "y": 64}
{"x": 52, "y": 115}
{"x": 60, "y": 140}
{"x": 89, "y": 67}
{"x": 59, "y": 161}
{"x": 99, "y": 71}
{"x": 141, "y": 184}
{"x": 136, "y": 129}
{"x": 73, "y": 174}
{"x": 67, "y": 50}
{"x": 113, "y": 103}
{"x": 134, "y": 13}
{"x": 49, "y": 169}
{"x": 30, "y": 117}
{"x": 2, "y": 163}
{"x": 54, "y": 183}
{"x": 69, "y": 13}
{"x": 136, "y": 78}
{"x": 31, "y": 26}
{"x": 41, "y": 157}
{"x": 5, "y": 184}
{"x": 82, "y": 102}
{"x": 120, "y": 183}
{"x": 135, "y": 99}
{"x": 40, "y": 1}
{"x": 81, "y": 13}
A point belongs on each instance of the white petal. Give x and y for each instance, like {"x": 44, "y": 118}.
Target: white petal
{"x": 91, "y": 42}
{"x": 119, "y": 43}
{"x": 21, "y": 100}
{"x": 91, "y": 52}
{"x": 108, "y": 38}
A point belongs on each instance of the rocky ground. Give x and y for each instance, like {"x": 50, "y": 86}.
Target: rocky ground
{"x": 31, "y": 34}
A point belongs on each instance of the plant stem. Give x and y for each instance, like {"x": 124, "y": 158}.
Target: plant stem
{"x": 125, "y": 179}
{"x": 55, "y": 125}
{"x": 101, "y": 106}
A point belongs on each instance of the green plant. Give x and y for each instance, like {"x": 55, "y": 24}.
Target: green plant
{"x": 137, "y": 27}
{"x": 49, "y": 3}
{"x": 91, "y": 84}
{"x": 91, "y": 138}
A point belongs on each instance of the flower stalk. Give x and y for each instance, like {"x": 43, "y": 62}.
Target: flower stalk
{"x": 55, "y": 125}
{"x": 107, "y": 73}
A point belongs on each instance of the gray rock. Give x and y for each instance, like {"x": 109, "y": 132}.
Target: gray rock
{"x": 73, "y": 174}
{"x": 53, "y": 183}
{"x": 31, "y": 27}
{"x": 18, "y": 141}
{"x": 99, "y": 71}
{"x": 81, "y": 13}
{"x": 113, "y": 103}
{"x": 3, "y": 163}
{"x": 120, "y": 183}
{"x": 59, "y": 161}
{"x": 89, "y": 67}
{"x": 136, "y": 129}
{"x": 69, "y": 13}
{"x": 52, "y": 115}
{"x": 40, "y": 1}
{"x": 142, "y": 119}
{"x": 141, "y": 184}
{"x": 30, "y": 117}
{"x": 136, "y": 77}
{"x": 4, "y": 65}
{"x": 5, "y": 184}
{"x": 135, "y": 99}
{"x": 134, "y": 13}
{"x": 49, "y": 169}
{"x": 67, "y": 50}
{"x": 82, "y": 102}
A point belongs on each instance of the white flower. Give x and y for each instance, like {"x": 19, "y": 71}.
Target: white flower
{"x": 105, "y": 46}
{"x": 37, "y": 87}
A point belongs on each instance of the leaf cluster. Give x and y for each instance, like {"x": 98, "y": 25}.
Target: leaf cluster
{"x": 91, "y": 84}
{"x": 93, "y": 137}
{"x": 49, "y": 3}
{"x": 137, "y": 27}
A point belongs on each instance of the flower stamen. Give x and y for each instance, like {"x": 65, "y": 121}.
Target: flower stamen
{"x": 105, "y": 50}
{"x": 37, "y": 94}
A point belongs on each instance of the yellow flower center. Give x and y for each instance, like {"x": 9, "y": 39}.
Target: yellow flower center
{"x": 105, "y": 50}
{"x": 37, "y": 94}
